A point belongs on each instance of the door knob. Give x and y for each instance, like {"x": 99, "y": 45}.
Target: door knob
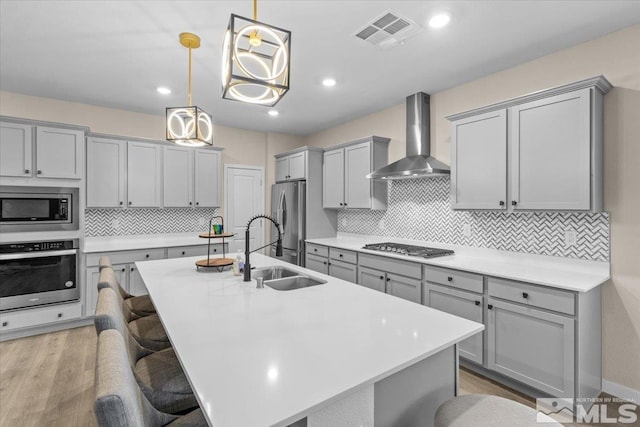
{"x": 501, "y": 202}
{"x": 490, "y": 306}
{"x": 477, "y": 302}
{"x": 525, "y": 295}
{"x": 513, "y": 203}
{"x": 381, "y": 277}
{"x": 450, "y": 279}
{"x": 27, "y": 171}
{"x": 39, "y": 172}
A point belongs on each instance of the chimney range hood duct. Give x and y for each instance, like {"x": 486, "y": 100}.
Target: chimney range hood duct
{"x": 417, "y": 163}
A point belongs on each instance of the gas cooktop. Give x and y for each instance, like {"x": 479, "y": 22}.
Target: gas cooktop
{"x": 409, "y": 250}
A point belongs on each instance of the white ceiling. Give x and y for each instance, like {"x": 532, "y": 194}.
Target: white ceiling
{"x": 115, "y": 53}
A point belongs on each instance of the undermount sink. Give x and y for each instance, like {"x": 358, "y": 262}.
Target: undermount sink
{"x": 283, "y": 279}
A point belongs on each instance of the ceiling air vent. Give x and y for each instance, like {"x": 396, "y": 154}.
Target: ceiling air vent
{"x": 388, "y": 30}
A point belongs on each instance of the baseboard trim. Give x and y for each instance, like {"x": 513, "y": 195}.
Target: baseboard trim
{"x": 621, "y": 391}
{"x": 45, "y": 329}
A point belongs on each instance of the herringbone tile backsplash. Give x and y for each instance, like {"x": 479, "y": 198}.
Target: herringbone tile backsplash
{"x": 122, "y": 222}
{"x": 420, "y": 209}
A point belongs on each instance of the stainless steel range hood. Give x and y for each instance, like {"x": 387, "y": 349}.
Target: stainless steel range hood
{"x": 418, "y": 163}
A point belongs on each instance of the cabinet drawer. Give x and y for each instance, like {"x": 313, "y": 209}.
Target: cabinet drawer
{"x": 343, "y": 270}
{"x": 391, "y": 265}
{"x": 123, "y": 257}
{"x": 40, "y": 316}
{"x": 187, "y": 251}
{"x": 343, "y": 255}
{"x": 457, "y": 279}
{"x": 317, "y": 250}
{"x": 532, "y": 295}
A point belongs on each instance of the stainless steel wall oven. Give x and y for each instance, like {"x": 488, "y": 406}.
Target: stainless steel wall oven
{"x": 38, "y": 209}
{"x": 37, "y": 273}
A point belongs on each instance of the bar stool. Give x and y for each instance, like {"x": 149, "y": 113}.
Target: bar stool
{"x": 139, "y": 305}
{"x": 158, "y": 373}
{"x": 147, "y": 330}
{"x": 119, "y": 402}
{"x": 482, "y": 410}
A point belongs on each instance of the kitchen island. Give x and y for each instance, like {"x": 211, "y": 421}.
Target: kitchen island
{"x": 335, "y": 354}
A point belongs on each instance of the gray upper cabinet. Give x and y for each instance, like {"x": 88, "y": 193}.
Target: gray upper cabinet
{"x": 177, "y": 175}
{"x": 15, "y": 150}
{"x": 551, "y": 152}
{"x": 345, "y": 170}
{"x": 479, "y": 153}
{"x": 551, "y": 158}
{"x": 144, "y": 175}
{"x": 59, "y": 152}
{"x": 291, "y": 166}
{"x": 207, "y": 178}
{"x": 106, "y": 173}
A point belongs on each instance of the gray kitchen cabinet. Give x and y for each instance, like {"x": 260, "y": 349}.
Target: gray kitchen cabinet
{"x": 552, "y": 158}
{"x": 207, "y": 178}
{"x": 136, "y": 284}
{"x": 343, "y": 270}
{"x": 345, "y": 170}
{"x": 404, "y": 287}
{"x": 177, "y": 173}
{"x": 15, "y": 150}
{"x": 92, "y": 275}
{"x": 291, "y": 166}
{"x": 463, "y": 304}
{"x": 200, "y": 250}
{"x": 317, "y": 263}
{"x": 371, "y": 278}
{"x": 478, "y": 151}
{"x": 106, "y": 172}
{"x": 144, "y": 175}
{"x": 532, "y": 346}
{"x": 551, "y": 153}
{"x": 44, "y": 315}
{"x": 59, "y": 152}
{"x": 333, "y": 179}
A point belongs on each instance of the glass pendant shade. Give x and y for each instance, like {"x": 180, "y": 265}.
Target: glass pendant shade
{"x": 255, "y": 62}
{"x": 189, "y": 126}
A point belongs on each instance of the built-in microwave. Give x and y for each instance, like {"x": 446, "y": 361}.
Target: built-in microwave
{"x": 38, "y": 208}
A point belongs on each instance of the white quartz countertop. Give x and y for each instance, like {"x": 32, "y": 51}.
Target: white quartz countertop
{"x": 261, "y": 357}
{"x": 564, "y": 273}
{"x": 144, "y": 241}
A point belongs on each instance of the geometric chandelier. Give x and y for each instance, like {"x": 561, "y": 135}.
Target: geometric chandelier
{"x": 255, "y": 61}
{"x": 191, "y": 125}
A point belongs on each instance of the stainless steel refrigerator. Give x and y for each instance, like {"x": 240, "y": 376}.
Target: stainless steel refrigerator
{"x": 288, "y": 208}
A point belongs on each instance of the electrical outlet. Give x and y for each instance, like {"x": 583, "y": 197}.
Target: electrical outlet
{"x": 466, "y": 230}
{"x": 570, "y": 237}
{"x": 381, "y": 224}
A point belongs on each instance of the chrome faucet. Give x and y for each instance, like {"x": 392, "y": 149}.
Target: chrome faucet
{"x": 247, "y": 239}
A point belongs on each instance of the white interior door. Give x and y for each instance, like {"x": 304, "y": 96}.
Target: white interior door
{"x": 243, "y": 199}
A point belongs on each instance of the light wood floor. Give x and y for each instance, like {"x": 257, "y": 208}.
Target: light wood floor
{"x": 47, "y": 380}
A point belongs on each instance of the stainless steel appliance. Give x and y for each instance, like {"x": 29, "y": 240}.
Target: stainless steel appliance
{"x": 288, "y": 208}
{"x": 37, "y": 273}
{"x": 38, "y": 209}
{"x": 408, "y": 250}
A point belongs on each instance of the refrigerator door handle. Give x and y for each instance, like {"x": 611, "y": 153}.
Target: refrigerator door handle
{"x": 283, "y": 224}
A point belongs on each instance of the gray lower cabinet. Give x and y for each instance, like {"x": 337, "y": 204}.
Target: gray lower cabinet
{"x": 532, "y": 346}
{"x": 404, "y": 287}
{"x": 371, "y": 278}
{"x": 317, "y": 263}
{"x": 343, "y": 270}
{"x": 463, "y": 304}
{"x": 399, "y": 285}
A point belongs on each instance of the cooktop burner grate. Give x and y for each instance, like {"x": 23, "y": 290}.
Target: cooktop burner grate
{"x": 409, "y": 250}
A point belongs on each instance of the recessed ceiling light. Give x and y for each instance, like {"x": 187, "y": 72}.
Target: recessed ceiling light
{"x": 163, "y": 90}
{"x": 273, "y": 113}
{"x": 439, "y": 20}
{"x": 329, "y": 82}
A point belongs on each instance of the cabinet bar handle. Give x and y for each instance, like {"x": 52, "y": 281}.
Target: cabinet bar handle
{"x": 477, "y": 302}
{"x": 490, "y": 306}
{"x": 450, "y": 279}
{"x": 525, "y": 295}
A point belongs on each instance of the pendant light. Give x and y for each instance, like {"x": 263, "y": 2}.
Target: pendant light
{"x": 190, "y": 126}
{"x": 255, "y": 61}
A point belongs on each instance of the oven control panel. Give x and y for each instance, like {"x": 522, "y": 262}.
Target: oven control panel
{"x": 10, "y": 248}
